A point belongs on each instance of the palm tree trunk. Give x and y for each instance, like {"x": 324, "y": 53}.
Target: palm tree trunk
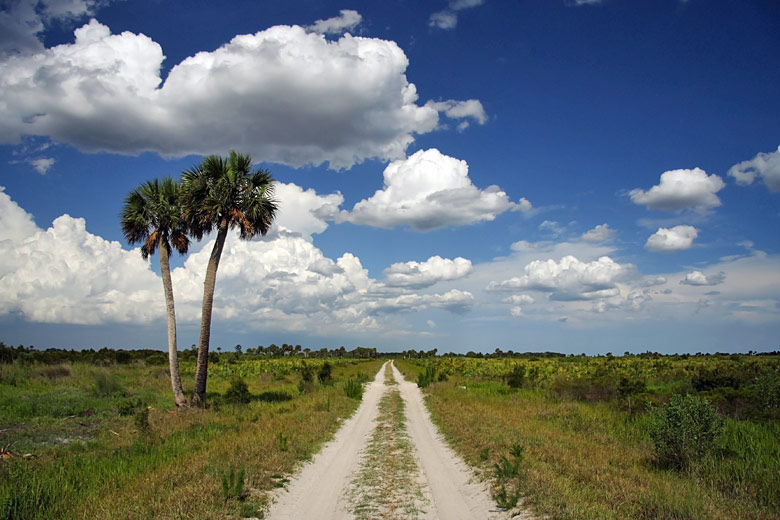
{"x": 173, "y": 355}
{"x": 201, "y": 373}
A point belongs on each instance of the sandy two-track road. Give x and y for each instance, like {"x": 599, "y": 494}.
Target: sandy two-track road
{"x": 329, "y": 487}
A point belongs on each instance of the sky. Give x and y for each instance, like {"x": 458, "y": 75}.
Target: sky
{"x": 538, "y": 175}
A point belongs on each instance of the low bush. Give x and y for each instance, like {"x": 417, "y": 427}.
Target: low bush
{"x": 684, "y": 431}
{"x": 238, "y": 392}
{"x": 157, "y": 359}
{"x": 325, "y": 373}
{"x": 516, "y": 377}
{"x": 427, "y": 376}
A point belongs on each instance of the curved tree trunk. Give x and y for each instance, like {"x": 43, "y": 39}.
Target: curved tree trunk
{"x": 201, "y": 373}
{"x": 173, "y": 355}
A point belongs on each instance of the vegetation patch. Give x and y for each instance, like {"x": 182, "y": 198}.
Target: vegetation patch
{"x": 387, "y": 484}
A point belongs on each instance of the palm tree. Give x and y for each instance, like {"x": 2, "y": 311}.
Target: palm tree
{"x": 152, "y": 217}
{"x": 223, "y": 194}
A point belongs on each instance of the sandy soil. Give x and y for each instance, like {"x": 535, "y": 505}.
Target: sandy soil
{"x": 450, "y": 489}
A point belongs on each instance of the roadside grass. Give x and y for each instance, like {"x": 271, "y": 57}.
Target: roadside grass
{"x": 88, "y": 461}
{"x": 594, "y": 460}
{"x": 386, "y": 486}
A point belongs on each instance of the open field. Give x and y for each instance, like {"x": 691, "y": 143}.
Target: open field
{"x": 582, "y": 429}
{"x": 563, "y": 437}
{"x": 104, "y": 442}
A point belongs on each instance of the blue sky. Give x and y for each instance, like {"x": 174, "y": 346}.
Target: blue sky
{"x": 568, "y": 175}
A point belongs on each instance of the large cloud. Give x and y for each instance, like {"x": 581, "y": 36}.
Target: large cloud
{"x": 764, "y": 165}
{"x": 570, "y": 279}
{"x": 424, "y": 274}
{"x": 67, "y": 275}
{"x": 282, "y": 281}
{"x": 668, "y": 240}
{"x": 430, "y": 190}
{"x": 283, "y": 94}
{"x": 681, "y": 189}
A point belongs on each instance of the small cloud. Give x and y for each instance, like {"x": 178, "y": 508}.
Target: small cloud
{"x": 764, "y": 165}
{"x": 697, "y": 278}
{"x": 681, "y": 189}
{"x": 600, "y": 233}
{"x": 677, "y": 238}
{"x": 348, "y": 20}
{"x": 42, "y": 164}
{"x": 448, "y": 18}
{"x": 431, "y": 323}
{"x": 471, "y": 108}
{"x": 552, "y": 227}
{"x": 578, "y": 3}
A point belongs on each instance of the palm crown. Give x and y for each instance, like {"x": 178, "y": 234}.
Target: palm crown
{"x": 152, "y": 212}
{"x": 226, "y": 193}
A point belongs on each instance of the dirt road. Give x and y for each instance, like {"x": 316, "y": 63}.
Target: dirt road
{"x": 387, "y": 461}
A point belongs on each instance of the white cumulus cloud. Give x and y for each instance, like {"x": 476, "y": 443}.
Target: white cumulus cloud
{"x": 569, "y": 279}
{"x": 304, "y": 211}
{"x": 698, "y": 278}
{"x": 600, "y": 233}
{"x": 764, "y": 165}
{"x": 424, "y": 274}
{"x": 471, "y": 109}
{"x": 667, "y": 240}
{"x": 427, "y": 191}
{"x": 681, "y": 189}
{"x": 64, "y": 274}
{"x": 283, "y": 94}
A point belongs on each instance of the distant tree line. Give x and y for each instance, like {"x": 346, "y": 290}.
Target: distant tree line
{"x": 105, "y": 356}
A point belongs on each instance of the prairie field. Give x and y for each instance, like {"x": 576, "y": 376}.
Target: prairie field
{"x": 84, "y": 441}
{"x": 576, "y": 433}
{"x": 98, "y": 435}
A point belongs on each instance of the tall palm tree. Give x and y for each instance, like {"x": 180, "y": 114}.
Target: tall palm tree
{"x": 152, "y": 217}
{"x": 223, "y": 194}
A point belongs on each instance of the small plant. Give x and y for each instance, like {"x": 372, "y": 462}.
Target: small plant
{"x": 106, "y": 384}
{"x": 353, "y": 389}
{"x": 504, "y": 499}
{"x": 233, "y": 483}
{"x": 141, "y": 419}
{"x": 506, "y": 469}
{"x": 684, "y": 431}
{"x": 129, "y": 406}
{"x": 509, "y": 476}
{"x": 484, "y": 454}
{"x": 281, "y": 442}
{"x": 238, "y": 392}
{"x": 427, "y": 376}
{"x": 324, "y": 374}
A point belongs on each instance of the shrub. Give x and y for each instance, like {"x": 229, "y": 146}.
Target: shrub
{"x": 307, "y": 374}
{"x": 129, "y": 406}
{"x": 157, "y": 359}
{"x": 353, "y": 389}
{"x": 324, "y": 374}
{"x": 141, "y": 419}
{"x": 516, "y": 377}
{"x": 684, "y": 431}
{"x": 238, "y": 392}
{"x": 427, "y": 376}
{"x": 106, "y": 384}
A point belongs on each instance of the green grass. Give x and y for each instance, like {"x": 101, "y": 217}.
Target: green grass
{"x": 594, "y": 460}
{"x": 90, "y": 462}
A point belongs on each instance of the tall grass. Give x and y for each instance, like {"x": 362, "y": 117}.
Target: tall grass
{"x": 96, "y": 463}
{"x": 596, "y": 460}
